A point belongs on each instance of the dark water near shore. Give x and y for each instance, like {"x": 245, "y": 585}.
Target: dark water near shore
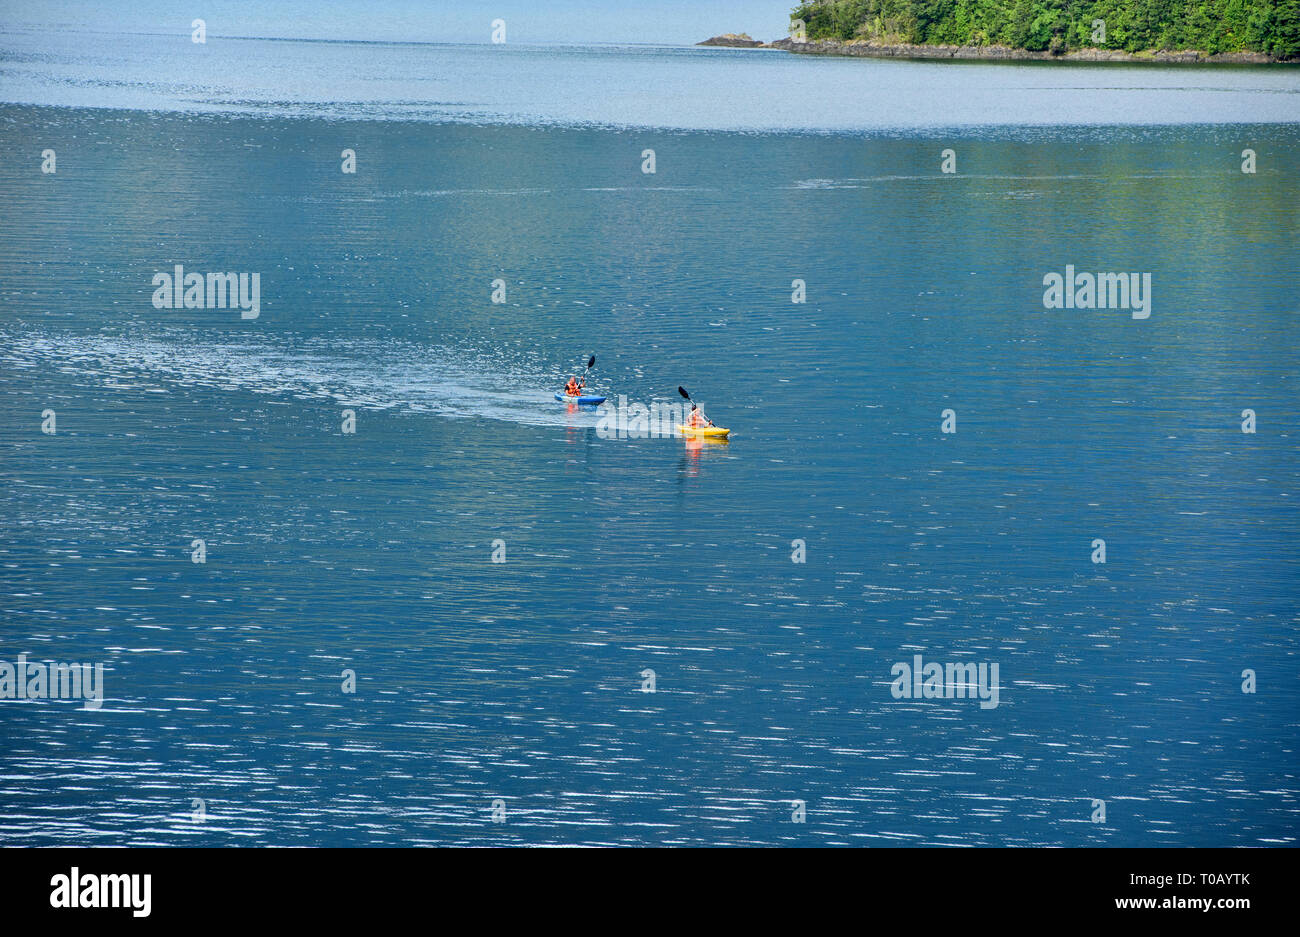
{"x": 521, "y": 680}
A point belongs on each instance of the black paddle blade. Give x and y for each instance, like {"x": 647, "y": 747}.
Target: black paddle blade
{"x": 682, "y": 391}
{"x": 592, "y": 362}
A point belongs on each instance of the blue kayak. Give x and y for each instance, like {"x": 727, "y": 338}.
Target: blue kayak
{"x": 584, "y": 401}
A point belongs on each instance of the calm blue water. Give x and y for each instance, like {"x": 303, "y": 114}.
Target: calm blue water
{"x": 521, "y": 680}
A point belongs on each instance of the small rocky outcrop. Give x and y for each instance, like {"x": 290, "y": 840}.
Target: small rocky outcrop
{"x": 733, "y": 41}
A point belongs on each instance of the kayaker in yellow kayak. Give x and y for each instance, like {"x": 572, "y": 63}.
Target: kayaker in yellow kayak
{"x": 699, "y": 425}
{"x": 697, "y": 418}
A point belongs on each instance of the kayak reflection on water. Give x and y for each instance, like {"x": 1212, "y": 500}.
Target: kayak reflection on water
{"x": 695, "y": 447}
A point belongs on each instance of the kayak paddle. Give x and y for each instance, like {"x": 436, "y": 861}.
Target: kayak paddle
{"x": 591, "y": 363}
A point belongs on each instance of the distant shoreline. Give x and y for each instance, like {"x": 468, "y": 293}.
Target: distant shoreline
{"x": 992, "y": 53}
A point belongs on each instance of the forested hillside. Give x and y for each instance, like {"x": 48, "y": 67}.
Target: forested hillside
{"x": 1211, "y": 26}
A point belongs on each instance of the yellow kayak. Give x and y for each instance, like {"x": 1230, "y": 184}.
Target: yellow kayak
{"x": 714, "y": 432}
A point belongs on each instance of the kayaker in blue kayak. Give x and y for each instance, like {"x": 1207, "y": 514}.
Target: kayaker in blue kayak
{"x": 575, "y": 385}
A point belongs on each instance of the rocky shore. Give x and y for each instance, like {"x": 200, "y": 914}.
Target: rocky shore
{"x": 990, "y": 53}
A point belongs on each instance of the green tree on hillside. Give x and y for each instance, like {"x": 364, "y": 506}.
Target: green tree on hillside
{"x": 1270, "y": 26}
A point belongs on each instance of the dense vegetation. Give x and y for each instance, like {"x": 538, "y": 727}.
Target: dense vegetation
{"x": 1271, "y": 26}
